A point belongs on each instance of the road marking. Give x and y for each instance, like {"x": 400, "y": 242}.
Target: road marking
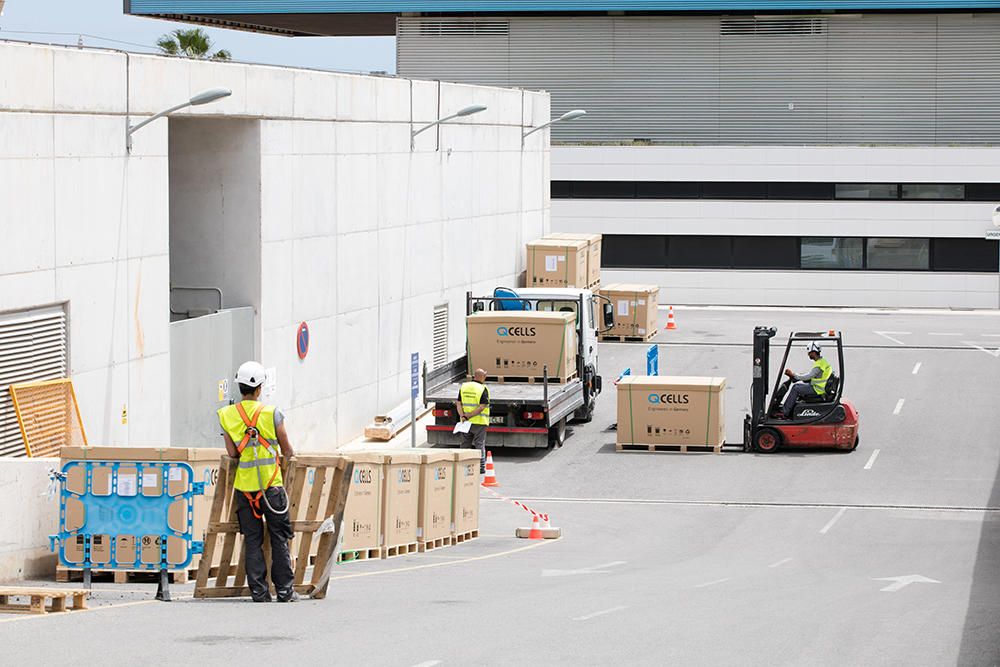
{"x": 780, "y": 562}
{"x": 752, "y": 504}
{"x": 945, "y": 334}
{"x": 712, "y": 583}
{"x": 871, "y": 460}
{"x": 77, "y": 612}
{"x": 597, "y": 569}
{"x": 829, "y": 524}
{"x": 599, "y": 613}
{"x": 904, "y": 581}
{"x": 899, "y": 406}
{"x": 993, "y": 353}
{"x": 887, "y": 336}
{"x": 992, "y": 335}
{"x": 916, "y": 367}
{"x": 427, "y": 663}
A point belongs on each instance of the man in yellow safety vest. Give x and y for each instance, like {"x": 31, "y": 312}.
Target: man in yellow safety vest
{"x": 473, "y": 405}
{"x": 254, "y": 432}
{"x": 807, "y": 384}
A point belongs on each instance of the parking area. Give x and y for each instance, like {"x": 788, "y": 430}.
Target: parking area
{"x": 888, "y": 554}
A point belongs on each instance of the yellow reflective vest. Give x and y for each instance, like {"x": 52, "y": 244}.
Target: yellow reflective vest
{"x": 471, "y": 393}
{"x": 264, "y": 456}
{"x": 819, "y": 384}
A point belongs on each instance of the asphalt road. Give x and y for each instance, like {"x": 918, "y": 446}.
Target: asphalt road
{"x": 887, "y": 555}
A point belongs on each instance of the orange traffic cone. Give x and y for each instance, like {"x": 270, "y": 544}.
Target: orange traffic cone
{"x": 536, "y": 530}
{"x": 491, "y": 475}
{"x": 670, "y": 319}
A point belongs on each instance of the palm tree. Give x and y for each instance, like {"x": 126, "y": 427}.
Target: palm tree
{"x": 194, "y": 43}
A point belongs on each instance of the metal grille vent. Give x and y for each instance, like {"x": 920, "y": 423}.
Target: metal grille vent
{"x": 776, "y": 26}
{"x": 440, "y": 335}
{"x": 32, "y": 347}
{"x": 447, "y": 28}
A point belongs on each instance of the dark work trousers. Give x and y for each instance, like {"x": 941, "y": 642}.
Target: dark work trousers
{"x": 476, "y": 439}
{"x": 279, "y": 527}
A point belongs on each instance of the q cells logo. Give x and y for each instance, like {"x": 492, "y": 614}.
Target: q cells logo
{"x": 515, "y": 331}
{"x": 668, "y": 398}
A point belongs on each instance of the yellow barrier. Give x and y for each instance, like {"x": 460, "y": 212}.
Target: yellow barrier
{"x": 48, "y": 415}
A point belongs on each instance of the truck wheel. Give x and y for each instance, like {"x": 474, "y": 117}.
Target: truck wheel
{"x": 557, "y": 434}
{"x": 767, "y": 440}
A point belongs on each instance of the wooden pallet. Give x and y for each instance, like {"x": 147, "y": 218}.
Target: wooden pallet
{"x": 38, "y": 596}
{"x": 400, "y": 550}
{"x": 605, "y": 338}
{"x": 310, "y": 504}
{"x": 351, "y": 555}
{"x": 431, "y": 545}
{"x": 64, "y": 574}
{"x": 458, "y": 538}
{"x": 529, "y": 379}
{"x": 683, "y": 449}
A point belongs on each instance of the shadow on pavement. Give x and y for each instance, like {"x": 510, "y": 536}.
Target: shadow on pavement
{"x": 981, "y": 633}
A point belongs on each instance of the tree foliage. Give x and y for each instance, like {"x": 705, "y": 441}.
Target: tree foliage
{"x": 193, "y": 43}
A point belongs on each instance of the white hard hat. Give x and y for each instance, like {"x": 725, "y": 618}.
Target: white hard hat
{"x": 251, "y": 374}
{"x": 813, "y": 347}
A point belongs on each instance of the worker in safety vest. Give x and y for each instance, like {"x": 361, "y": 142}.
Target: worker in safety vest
{"x": 254, "y": 434}
{"x": 473, "y": 405}
{"x": 807, "y": 384}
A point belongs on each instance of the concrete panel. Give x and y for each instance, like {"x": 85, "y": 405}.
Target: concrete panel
{"x": 312, "y": 428}
{"x": 393, "y": 339}
{"x": 90, "y": 210}
{"x": 90, "y": 81}
{"x": 27, "y": 82}
{"x": 424, "y": 252}
{"x": 270, "y": 91}
{"x": 357, "y": 356}
{"x": 156, "y": 83}
{"x": 278, "y": 352}
{"x": 356, "y": 137}
{"x": 458, "y": 187}
{"x": 395, "y": 264}
{"x": 206, "y": 75}
{"x": 314, "y": 137}
{"x": 394, "y": 179}
{"x": 148, "y": 189}
{"x": 357, "y": 272}
{"x": 24, "y": 551}
{"x": 460, "y": 251}
{"x": 425, "y": 101}
{"x": 312, "y": 379}
{"x": 277, "y": 270}
{"x": 355, "y": 409}
{"x": 100, "y": 318}
{"x": 392, "y": 138}
{"x": 27, "y": 290}
{"x": 277, "y": 137}
{"x": 356, "y": 97}
{"x": 276, "y": 197}
{"x": 314, "y": 195}
{"x": 149, "y": 306}
{"x": 356, "y": 184}
{"x": 315, "y": 95}
{"x": 149, "y": 404}
{"x": 392, "y": 97}
{"x": 27, "y": 222}
{"x": 101, "y": 394}
{"x": 425, "y": 195}
{"x": 25, "y": 135}
{"x": 314, "y": 288}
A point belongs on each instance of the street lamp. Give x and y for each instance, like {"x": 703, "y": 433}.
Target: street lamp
{"x": 467, "y": 111}
{"x": 569, "y": 115}
{"x": 199, "y": 99}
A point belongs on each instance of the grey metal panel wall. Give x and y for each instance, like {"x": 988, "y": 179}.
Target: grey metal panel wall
{"x": 879, "y": 78}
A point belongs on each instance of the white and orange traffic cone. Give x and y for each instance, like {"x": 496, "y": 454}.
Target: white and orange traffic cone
{"x": 536, "y": 530}
{"x": 671, "y": 324}
{"x": 491, "y": 476}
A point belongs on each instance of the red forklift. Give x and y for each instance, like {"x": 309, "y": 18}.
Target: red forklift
{"x": 823, "y": 421}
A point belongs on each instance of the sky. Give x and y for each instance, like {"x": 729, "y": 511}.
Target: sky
{"x": 102, "y": 21}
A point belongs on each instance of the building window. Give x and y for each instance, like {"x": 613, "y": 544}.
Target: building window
{"x": 668, "y": 190}
{"x": 800, "y": 191}
{"x": 933, "y": 191}
{"x": 982, "y": 192}
{"x": 898, "y": 254}
{"x": 831, "y": 253}
{"x": 866, "y": 191}
{"x": 977, "y": 255}
{"x": 733, "y": 190}
{"x": 700, "y": 252}
{"x": 634, "y": 251}
{"x": 765, "y": 252}
{"x": 603, "y": 190}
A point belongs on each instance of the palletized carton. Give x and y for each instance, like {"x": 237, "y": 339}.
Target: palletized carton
{"x": 363, "y": 512}
{"x": 436, "y": 474}
{"x": 593, "y": 252}
{"x": 465, "y": 481}
{"x": 400, "y": 523}
{"x": 671, "y": 410}
{"x": 557, "y": 263}
{"x": 636, "y": 309}
{"x": 518, "y": 343}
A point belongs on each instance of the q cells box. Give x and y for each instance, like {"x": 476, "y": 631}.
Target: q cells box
{"x": 522, "y": 344}
{"x": 671, "y": 410}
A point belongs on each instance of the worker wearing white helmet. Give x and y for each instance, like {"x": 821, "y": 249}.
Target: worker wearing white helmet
{"x": 811, "y": 383}
{"x": 254, "y": 433}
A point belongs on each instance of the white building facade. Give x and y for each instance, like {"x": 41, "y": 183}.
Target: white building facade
{"x": 297, "y": 199}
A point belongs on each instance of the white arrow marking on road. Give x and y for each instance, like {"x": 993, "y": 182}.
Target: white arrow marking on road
{"x": 886, "y": 334}
{"x": 598, "y": 613}
{"x": 904, "y": 581}
{"x": 992, "y": 353}
{"x": 597, "y": 569}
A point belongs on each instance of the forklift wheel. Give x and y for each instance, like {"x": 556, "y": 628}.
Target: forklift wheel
{"x": 767, "y": 440}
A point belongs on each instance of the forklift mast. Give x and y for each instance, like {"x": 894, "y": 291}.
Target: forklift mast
{"x": 761, "y": 368}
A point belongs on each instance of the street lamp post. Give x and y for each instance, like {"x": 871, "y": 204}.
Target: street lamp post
{"x": 199, "y": 99}
{"x": 569, "y": 115}
{"x": 467, "y": 111}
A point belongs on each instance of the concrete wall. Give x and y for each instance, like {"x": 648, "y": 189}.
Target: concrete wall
{"x": 29, "y": 519}
{"x": 360, "y": 237}
{"x": 788, "y": 218}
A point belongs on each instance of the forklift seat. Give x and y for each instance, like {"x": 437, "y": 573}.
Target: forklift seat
{"x": 832, "y": 384}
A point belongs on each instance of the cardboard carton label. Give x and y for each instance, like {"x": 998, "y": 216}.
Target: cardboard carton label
{"x": 551, "y": 263}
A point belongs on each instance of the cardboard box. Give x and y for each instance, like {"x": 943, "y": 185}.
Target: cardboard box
{"x": 516, "y": 343}
{"x": 437, "y": 470}
{"x": 636, "y": 309}
{"x": 465, "y": 498}
{"x": 671, "y": 410}
{"x": 400, "y": 523}
{"x": 363, "y": 512}
{"x": 557, "y": 263}
{"x": 593, "y": 252}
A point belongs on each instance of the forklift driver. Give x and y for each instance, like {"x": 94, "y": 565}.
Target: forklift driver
{"x": 807, "y": 384}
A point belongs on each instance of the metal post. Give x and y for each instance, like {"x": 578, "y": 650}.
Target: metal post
{"x": 413, "y": 421}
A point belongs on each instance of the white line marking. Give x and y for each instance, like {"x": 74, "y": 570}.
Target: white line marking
{"x": 829, "y": 524}
{"x": 992, "y": 353}
{"x": 428, "y": 663}
{"x": 780, "y": 562}
{"x": 871, "y": 460}
{"x": 916, "y": 367}
{"x": 945, "y": 334}
{"x": 899, "y": 406}
{"x": 885, "y": 334}
{"x": 712, "y": 583}
{"x": 992, "y": 335}
{"x": 599, "y": 613}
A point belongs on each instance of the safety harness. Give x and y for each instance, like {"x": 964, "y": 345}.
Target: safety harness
{"x": 251, "y": 435}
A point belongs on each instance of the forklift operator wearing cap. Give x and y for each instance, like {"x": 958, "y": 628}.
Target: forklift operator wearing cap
{"x": 808, "y": 384}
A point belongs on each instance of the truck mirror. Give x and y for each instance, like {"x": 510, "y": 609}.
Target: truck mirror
{"x": 609, "y": 315}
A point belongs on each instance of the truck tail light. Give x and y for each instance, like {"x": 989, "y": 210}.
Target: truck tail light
{"x": 441, "y": 413}
{"x": 534, "y": 415}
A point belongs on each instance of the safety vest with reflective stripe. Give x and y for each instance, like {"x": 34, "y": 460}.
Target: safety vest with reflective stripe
{"x": 819, "y": 384}
{"x": 471, "y": 394}
{"x": 264, "y": 456}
